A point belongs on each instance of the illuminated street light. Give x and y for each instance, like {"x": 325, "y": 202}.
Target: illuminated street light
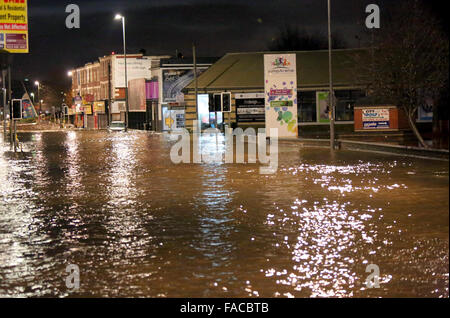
{"x": 39, "y": 89}
{"x": 120, "y": 17}
{"x": 69, "y": 73}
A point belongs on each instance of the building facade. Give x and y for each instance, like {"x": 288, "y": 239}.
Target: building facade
{"x": 242, "y": 76}
{"x": 99, "y": 88}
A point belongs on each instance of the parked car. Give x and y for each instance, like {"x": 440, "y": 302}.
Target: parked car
{"x": 117, "y": 126}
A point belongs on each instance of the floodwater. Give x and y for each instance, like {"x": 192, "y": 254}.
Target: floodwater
{"x": 138, "y": 225}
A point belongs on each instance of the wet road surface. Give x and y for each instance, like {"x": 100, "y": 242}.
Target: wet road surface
{"x": 138, "y": 225}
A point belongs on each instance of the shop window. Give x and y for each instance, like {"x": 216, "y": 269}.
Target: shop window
{"x": 307, "y": 107}
{"x": 345, "y": 103}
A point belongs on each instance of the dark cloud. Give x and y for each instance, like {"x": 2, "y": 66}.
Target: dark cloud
{"x": 161, "y": 27}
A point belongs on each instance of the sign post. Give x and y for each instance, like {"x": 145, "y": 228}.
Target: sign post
{"x": 280, "y": 74}
{"x": 13, "y": 38}
{"x": 16, "y": 114}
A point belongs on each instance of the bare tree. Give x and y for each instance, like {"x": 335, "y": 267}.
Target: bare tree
{"x": 409, "y": 61}
{"x": 51, "y": 97}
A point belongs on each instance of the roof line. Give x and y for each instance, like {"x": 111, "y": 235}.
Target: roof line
{"x": 308, "y": 51}
{"x": 215, "y": 79}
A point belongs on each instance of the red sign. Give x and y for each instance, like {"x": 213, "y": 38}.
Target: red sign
{"x": 16, "y": 41}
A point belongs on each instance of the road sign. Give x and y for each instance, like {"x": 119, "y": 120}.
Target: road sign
{"x": 14, "y": 26}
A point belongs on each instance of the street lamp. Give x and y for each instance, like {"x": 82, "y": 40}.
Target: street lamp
{"x": 32, "y": 96}
{"x": 120, "y": 17}
{"x": 39, "y": 88}
{"x": 331, "y": 95}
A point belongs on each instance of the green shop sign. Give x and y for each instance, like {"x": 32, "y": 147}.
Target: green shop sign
{"x": 282, "y": 103}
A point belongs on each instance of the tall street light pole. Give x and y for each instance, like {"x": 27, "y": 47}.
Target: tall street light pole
{"x": 39, "y": 96}
{"x": 330, "y": 94}
{"x": 120, "y": 17}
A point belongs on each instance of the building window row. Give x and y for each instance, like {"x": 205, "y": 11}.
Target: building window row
{"x": 308, "y": 105}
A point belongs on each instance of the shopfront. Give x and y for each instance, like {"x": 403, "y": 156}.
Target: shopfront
{"x": 242, "y": 75}
{"x": 175, "y": 75}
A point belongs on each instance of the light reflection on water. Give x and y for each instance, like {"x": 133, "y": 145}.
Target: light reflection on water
{"x": 138, "y": 225}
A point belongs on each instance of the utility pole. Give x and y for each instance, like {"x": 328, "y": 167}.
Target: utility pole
{"x": 109, "y": 93}
{"x": 10, "y": 105}
{"x": 331, "y": 94}
{"x": 194, "y": 55}
{"x": 126, "y": 76}
{"x": 4, "y": 101}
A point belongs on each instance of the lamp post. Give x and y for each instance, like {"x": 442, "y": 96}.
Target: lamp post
{"x": 330, "y": 94}
{"x": 38, "y": 96}
{"x": 120, "y": 17}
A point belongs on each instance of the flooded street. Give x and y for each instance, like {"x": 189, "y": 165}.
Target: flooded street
{"x": 138, "y": 225}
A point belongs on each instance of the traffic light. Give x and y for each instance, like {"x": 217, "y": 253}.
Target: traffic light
{"x": 17, "y": 109}
{"x": 217, "y": 102}
{"x": 211, "y": 103}
{"x": 226, "y": 102}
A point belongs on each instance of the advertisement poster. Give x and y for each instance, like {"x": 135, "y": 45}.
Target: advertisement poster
{"x": 250, "y": 107}
{"x": 426, "y": 112}
{"x": 88, "y": 109}
{"x": 78, "y": 104}
{"x": 136, "y": 95}
{"x": 323, "y": 102}
{"x": 174, "y": 119}
{"x": 28, "y": 108}
{"x": 280, "y": 75}
{"x": 375, "y": 118}
{"x": 174, "y": 81}
{"x": 99, "y": 107}
{"x": 14, "y": 26}
{"x": 136, "y": 68}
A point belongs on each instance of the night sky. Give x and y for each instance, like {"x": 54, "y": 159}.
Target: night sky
{"x": 162, "y": 27}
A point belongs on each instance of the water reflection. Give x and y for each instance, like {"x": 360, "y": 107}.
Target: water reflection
{"x": 138, "y": 225}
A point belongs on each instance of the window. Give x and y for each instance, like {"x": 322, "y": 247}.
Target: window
{"x": 307, "y": 107}
{"x": 345, "y": 103}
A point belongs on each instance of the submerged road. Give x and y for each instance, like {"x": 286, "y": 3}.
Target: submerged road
{"x": 138, "y": 225}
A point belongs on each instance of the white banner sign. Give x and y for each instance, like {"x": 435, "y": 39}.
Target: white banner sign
{"x": 280, "y": 74}
{"x": 375, "y": 118}
{"x": 136, "y": 68}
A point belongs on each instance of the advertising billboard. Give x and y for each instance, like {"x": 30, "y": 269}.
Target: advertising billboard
{"x": 375, "y": 118}
{"x": 280, "y": 75}
{"x": 99, "y": 107}
{"x": 173, "y": 119}
{"x": 28, "y": 108}
{"x": 137, "y": 67}
{"x": 14, "y": 26}
{"x": 152, "y": 90}
{"x": 136, "y": 95}
{"x": 174, "y": 80}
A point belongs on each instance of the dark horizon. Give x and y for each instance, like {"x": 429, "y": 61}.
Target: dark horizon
{"x": 163, "y": 29}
